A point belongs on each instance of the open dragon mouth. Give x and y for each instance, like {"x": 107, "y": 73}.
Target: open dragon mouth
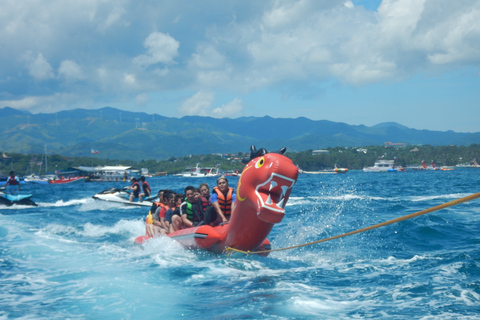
{"x": 272, "y": 196}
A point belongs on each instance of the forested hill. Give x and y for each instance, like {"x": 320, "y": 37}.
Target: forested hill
{"x": 119, "y": 134}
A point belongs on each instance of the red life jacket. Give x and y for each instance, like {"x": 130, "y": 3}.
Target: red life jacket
{"x": 224, "y": 203}
{"x": 146, "y": 188}
{"x": 12, "y": 181}
{"x": 136, "y": 192}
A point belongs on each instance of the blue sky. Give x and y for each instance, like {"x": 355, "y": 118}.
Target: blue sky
{"x": 415, "y": 62}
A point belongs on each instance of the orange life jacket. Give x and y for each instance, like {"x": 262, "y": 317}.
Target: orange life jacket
{"x": 224, "y": 203}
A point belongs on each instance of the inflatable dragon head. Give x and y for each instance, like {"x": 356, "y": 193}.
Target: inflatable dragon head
{"x": 266, "y": 183}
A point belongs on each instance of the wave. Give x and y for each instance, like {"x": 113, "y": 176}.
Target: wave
{"x": 438, "y": 196}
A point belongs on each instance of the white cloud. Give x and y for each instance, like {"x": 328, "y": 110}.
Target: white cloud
{"x": 142, "y": 98}
{"x": 199, "y": 104}
{"x": 129, "y": 79}
{"x": 232, "y": 109}
{"x": 161, "y": 48}
{"x": 38, "y": 67}
{"x": 207, "y": 57}
{"x": 113, "y": 17}
{"x": 70, "y": 70}
{"x": 274, "y": 46}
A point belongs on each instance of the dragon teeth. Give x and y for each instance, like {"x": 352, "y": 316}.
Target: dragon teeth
{"x": 269, "y": 200}
{"x": 273, "y": 184}
{"x": 281, "y": 204}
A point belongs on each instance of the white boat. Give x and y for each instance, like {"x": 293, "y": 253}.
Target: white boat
{"x": 112, "y": 173}
{"x": 381, "y": 166}
{"x": 200, "y": 172}
{"x": 120, "y": 196}
{"x": 474, "y": 164}
{"x": 43, "y": 179}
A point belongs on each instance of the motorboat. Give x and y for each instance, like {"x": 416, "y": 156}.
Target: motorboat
{"x": 121, "y": 196}
{"x": 112, "y": 173}
{"x": 381, "y": 166}
{"x": 8, "y": 199}
{"x": 474, "y": 164}
{"x": 68, "y": 179}
{"x": 262, "y": 193}
{"x": 200, "y": 172}
{"x": 43, "y": 179}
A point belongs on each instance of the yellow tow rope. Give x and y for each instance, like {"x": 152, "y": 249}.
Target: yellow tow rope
{"x": 409, "y": 216}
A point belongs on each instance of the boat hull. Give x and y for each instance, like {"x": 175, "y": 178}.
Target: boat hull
{"x": 67, "y": 180}
{"x": 119, "y": 196}
{"x": 208, "y": 238}
{"x": 21, "y": 199}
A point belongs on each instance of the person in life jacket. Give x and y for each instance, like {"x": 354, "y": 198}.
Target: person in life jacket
{"x": 146, "y": 189}
{"x": 189, "y": 214}
{"x": 13, "y": 183}
{"x": 201, "y": 202}
{"x": 156, "y": 226}
{"x": 223, "y": 201}
{"x": 205, "y": 191}
{"x": 135, "y": 189}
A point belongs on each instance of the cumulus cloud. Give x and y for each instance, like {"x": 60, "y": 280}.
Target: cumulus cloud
{"x": 232, "y": 109}
{"x": 199, "y": 104}
{"x": 38, "y": 67}
{"x": 243, "y": 47}
{"x": 70, "y": 71}
{"x": 114, "y": 17}
{"x": 161, "y": 48}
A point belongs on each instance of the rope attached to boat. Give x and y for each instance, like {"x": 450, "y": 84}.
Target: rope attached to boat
{"x": 409, "y": 216}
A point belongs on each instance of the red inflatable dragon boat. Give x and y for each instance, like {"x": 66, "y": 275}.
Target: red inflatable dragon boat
{"x": 262, "y": 193}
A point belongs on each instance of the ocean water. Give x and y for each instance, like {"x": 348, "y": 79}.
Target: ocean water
{"x": 73, "y": 257}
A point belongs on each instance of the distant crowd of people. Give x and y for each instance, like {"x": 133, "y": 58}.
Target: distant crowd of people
{"x": 195, "y": 207}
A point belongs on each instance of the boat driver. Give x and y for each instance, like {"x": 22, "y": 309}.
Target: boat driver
{"x": 135, "y": 189}
{"x": 13, "y": 183}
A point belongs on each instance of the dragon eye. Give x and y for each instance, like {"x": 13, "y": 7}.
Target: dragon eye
{"x": 260, "y": 163}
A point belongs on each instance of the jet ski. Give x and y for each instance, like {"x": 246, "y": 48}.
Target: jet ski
{"x": 8, "y": 199}
{"x": 121, "y": 196}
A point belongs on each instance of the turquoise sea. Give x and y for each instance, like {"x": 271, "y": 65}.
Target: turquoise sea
{"x": 73, "y": 257}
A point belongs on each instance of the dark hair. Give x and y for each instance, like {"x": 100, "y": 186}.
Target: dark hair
{"x": 179, "y": 196}
{"x": 166, "y": 193}
{"x": 142, "y": 178}
{"x": 189, "y": 188}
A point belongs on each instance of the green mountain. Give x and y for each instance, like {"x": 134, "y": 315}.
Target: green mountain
{"x": 119, "y": 134}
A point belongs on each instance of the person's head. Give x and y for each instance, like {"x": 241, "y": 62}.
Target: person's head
{"x": 142, "y": 178}
{"x": 165, "y": 195}
{"x": 171, "y": 199}
{"x": 133, "y": 179}
{"x": 205, "y": 190}
{"x": 222, "y": 183}
{"x": 189, "y": 194}
{"x": 12, "y": 173}
{"x": 197, "y": 194}
{"x": 179, "y": 199}
{"x": 160, "y": 195}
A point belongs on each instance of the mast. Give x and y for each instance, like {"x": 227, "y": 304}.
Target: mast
{"x": 46, "y": 164}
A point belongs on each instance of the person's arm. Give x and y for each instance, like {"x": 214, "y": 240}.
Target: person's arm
{"x": 185, "y": 221}
{"x": 217, "y": 208}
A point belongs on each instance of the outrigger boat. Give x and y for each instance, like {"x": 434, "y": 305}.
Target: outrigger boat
{"x": 262, "y": 193}
{"x": 8, "y": 199}
{"x": 121, "y": 196}
{"x": 200, "y": 172}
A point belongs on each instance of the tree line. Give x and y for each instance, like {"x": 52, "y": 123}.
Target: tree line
{"x": 351, "y": 158}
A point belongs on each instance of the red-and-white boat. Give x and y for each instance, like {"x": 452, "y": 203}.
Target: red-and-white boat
{"x": 262, "y": 193}
{"x": 62, "y": 179}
